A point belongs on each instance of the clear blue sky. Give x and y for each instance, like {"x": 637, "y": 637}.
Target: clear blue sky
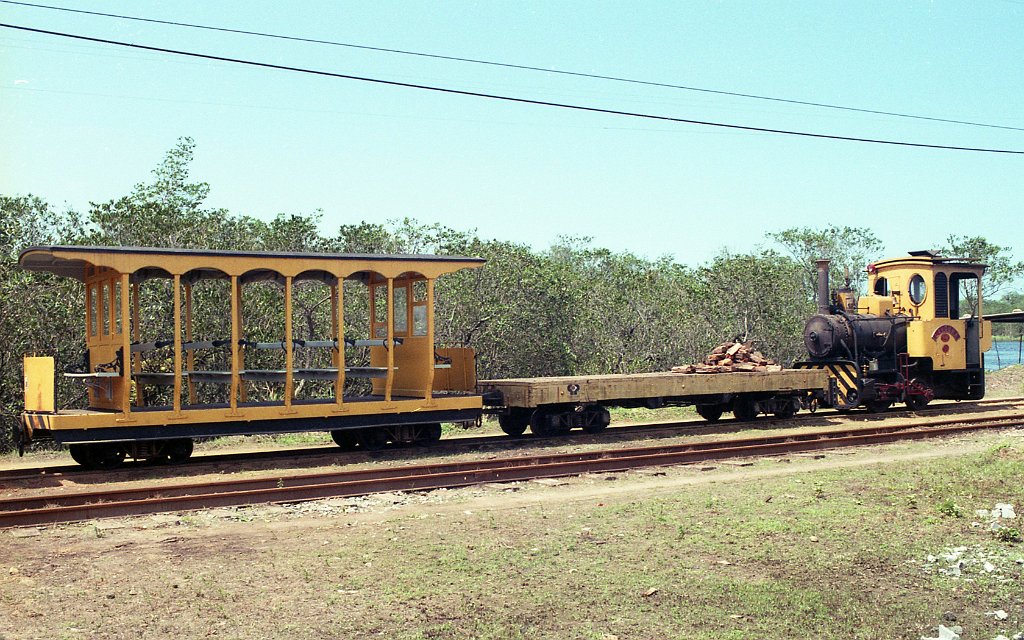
{"x": 84, "y": 122}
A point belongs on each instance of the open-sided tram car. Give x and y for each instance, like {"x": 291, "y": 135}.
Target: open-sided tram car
{"x": 415, "y": 386}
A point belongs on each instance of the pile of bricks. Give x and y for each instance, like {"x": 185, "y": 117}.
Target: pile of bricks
{"x": 730, "y": 357}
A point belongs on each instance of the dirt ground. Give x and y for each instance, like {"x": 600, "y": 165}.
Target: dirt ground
{"x": 1005, "y": 382}
{"x": 837, "y": 544}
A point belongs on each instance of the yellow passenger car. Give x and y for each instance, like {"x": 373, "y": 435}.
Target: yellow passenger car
{"x": 150, "y": 399}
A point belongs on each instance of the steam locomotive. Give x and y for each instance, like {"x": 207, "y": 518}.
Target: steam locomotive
{"x": 916, "y": 336}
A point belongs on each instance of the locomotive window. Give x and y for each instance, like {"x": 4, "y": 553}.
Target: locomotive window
{"x": 917, "y": 289}
{"x": 962, "y": 287}
{"x": 881, "y": 287}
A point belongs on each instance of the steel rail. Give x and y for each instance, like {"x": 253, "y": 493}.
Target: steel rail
{"x": 69, "y": 507}
{"x": 29, "y": 473}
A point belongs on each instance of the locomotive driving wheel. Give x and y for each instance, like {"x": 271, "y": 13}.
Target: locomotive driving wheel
{"x": 877, "y": 405}
{"x": 917, "y": 401}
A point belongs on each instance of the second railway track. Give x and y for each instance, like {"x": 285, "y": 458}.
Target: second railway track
{"x": 280, "y": 488}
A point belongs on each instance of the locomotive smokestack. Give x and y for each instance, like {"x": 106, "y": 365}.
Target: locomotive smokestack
{"x": 823, "y": 286}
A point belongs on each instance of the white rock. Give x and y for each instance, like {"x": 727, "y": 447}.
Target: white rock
{"x": 931, "y": 558}
{"x": 998, "y": 614}
{"x": 945, "y": 633}
{"x": 989, "y": 568}
{"x": 1004, "y": 510}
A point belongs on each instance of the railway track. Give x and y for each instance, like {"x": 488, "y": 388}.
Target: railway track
{"x": 29, "y": 473}
{"x": 70, "y": 507}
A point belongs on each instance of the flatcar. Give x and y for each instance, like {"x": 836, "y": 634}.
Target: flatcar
{"x": 414, "y": 386}
{"x": 555, "y": 406}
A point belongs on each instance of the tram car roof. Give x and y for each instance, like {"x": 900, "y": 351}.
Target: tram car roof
{"x": 143, "y": 263}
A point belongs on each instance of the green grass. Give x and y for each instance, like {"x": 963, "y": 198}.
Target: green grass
{"x": 713, "y": 553}
{"x": 667, "y": 414}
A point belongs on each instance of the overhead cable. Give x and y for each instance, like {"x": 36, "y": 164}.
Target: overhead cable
{"x": 509, "y": 65}
{"x": 490, "y": 96}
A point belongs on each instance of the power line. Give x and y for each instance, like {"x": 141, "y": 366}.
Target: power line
{"x": 489, "y": 96}
{"x": 508, "y": 65}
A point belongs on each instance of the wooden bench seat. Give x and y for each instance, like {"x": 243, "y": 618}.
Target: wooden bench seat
{"x": 255, "y": 375}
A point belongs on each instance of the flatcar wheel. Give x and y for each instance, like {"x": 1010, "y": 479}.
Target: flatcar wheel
{"x": 179, "y": 450}
{"x": 787, "y": 411}
{"x": 430, "y": 433}
{"x": 345, "y": 438}
{"x": 514, "y": 424}
{"x": 540, "y": 424}
{"x": 710, "y": 412}
{"x": 373, "y": 439}
{"x": 596, "y": 419}
{"x": 745, "y": 409}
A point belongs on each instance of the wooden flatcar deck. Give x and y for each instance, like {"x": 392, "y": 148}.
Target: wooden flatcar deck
{"x": 607, "y": 389}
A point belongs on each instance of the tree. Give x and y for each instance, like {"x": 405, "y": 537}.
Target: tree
{"x": 753, "y": 298}
{"x": 849, "y": 248}
{"x": 1002, "y": 270}
{"x": 37, "y": 314}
